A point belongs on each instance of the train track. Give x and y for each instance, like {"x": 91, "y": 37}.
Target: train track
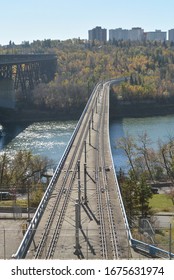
{"x": 83, "y": 219}
{"x": 107, "y": 225}
{"x": 62, "y": 238}
{"x": 57, "y": 214}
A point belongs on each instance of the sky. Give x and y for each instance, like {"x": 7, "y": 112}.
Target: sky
{"x": 28, "y": 20}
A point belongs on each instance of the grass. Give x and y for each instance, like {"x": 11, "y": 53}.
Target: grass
{"x": 10, "y": 203}
{"x": 160, "y": 203}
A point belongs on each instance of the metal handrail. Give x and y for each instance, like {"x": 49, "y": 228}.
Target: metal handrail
{"x": 135, "y": 244}
{"x": 22, "y": 250}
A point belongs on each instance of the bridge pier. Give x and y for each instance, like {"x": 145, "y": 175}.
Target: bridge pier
{"x": 7, "y": 93}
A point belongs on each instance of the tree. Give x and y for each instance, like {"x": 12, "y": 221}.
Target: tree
{"x": 129, "y": 193}
{"x": 4, "y": 161}
{"x": 136, "y": 195}
{"x": 144, "y": 194}
{"x": 166, "y": 160}
{"x": 22, "y": 170}
{"x": 36, "y": 195}
{"x": 127, "y": 144}
{"x": 143, "y": 149}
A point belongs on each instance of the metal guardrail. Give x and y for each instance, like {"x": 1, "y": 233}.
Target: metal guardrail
{"x": 129, "y": 235}
{"x": 151, "y": 250}
{"x": 135, "y": 244}
{"x": 27, "y": 239}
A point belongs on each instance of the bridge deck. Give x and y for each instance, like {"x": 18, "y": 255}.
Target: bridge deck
{"x": 97, "y": 230}
{"x": 22, "y": 59}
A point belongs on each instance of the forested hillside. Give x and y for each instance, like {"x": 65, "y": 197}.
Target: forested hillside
{"x": 148, "y": 65}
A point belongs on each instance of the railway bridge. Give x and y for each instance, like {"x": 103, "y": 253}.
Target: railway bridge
{"x": 81, "y": 215}
{"x": 23, "y": 72}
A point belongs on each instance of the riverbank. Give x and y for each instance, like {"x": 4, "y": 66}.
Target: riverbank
{"x": 117, "y": 110}
{"x": 140, "y": 109}
{"x": 36, "y": 115}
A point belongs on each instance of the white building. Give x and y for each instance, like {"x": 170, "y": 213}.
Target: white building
{"x": 135, "y": 34}
{"x": 156, "y": 35}
{"x": 118, "y": 34}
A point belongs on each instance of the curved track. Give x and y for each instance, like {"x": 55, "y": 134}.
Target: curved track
{"x": 81, "y": 216}
{"x": 63, "y": 193}
{"x": 107, "y": 224}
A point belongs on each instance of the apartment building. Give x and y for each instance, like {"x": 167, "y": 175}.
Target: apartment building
{"x": 171, "y": 35}
{"x": 156, "y": 35}
{"x": 135, "y": 34}
{"x": 97, "y": 33}
{"x": 118, "y": 34}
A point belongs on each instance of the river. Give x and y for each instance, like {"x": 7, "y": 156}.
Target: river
{"x": 51, "y": 138}
{"x": 43, "y": 138}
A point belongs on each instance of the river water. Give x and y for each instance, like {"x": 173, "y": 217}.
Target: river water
{"x": 43, "y": 138}
{"x": 51, "y": 138}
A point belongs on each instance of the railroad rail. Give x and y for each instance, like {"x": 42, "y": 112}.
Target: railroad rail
{"x": 107, "y": 224}
{"x": 82, "y": 214}
{"x": 64, "y": 192}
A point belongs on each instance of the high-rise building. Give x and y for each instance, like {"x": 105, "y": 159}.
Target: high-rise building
{"x": 135, "y": 34}
{"x": 171, "y": 35}
{"x": 118, "y": 34}
{"x": 98, "y": 34}
{"x": 156, "y": 35}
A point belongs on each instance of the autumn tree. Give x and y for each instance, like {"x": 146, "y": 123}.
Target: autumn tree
{"x": 22, "y": 170}
{"x": 127, "y": 144}
{"x": 143, "y": 149}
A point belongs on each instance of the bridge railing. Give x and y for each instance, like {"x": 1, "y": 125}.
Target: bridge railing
{"x": 136, "y": 244}
{"x": 29, "y": 235}
{"x": 128, "y": 231}
{"x": 151, "y": 249}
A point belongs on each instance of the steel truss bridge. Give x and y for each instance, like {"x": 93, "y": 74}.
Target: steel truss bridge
{"x": 27, "y": 70}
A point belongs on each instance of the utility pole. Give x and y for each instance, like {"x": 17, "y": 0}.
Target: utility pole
{"x": 4, "y": 245}
{"x": 79, "y": 192}
{"x": 28, "y": 202}
{"x": 90, "y": 132}
{"x": 92, "y": 118}
{"x": 85, "y": 151}
{"x": 170, "y": 242}
{"x": 77, "y": 227}
{"x": 85, "y": 178}
{"x": 85, "y": 185}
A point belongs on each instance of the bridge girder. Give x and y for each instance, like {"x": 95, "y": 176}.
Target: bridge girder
{"x": 27, "y": 71}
